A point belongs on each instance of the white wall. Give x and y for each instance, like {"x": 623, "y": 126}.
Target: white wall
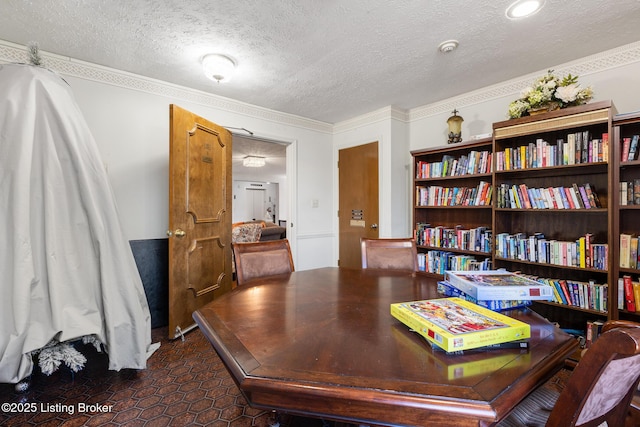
{"x": 613, "y": 75}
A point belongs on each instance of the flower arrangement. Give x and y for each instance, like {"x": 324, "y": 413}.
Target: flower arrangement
{"x": 549, "y": 92}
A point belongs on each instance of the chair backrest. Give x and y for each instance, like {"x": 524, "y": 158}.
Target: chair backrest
{"x": 261, "y": 259}
{"x": 603, "y": 383}
{"x": 393, "y": 254}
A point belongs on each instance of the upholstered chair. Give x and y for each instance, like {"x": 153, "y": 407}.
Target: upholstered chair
{"x": 394, "y": 254}
{"x": 260, "y": 259}
{"x": 599, "y": 390}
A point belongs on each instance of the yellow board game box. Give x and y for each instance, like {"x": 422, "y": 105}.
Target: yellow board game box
{"x": 455, "y": 324}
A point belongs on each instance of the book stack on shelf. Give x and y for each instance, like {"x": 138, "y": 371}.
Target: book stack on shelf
{"x": 576, "y": 148}
{"x": 455, "y": 325}
{"x": 475, "y": 162}
{"x": 585, "y": 295}
{"x": 628, "y": 294}
{"x": 581, "y": 253}
{"x": 438, "y": 262}
{"x": 573, "y": 197}
{"x": 630, "y": 149}
{"x": 629, "y": 255}
{"x": 438, "y": 195}
{"x": 478, "y": 239}
{"x": 630, "y": 192}
{"x": 495, "y": 289}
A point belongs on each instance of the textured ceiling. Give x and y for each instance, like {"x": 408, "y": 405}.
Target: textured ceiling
{"x": 328, "y": 60}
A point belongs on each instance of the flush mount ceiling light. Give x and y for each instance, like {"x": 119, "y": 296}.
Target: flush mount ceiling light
{"x": 524, "y": 8}
{"x": 219, "y": 68}
{"x": 253, "y": 162}
{"x": 448, "y": 46}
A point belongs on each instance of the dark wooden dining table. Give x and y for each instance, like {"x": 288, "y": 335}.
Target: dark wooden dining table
{"x": 322, "y": 343}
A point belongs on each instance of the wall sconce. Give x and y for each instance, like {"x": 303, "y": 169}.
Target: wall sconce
{"x": 455, "y": 127}
{"x": 253, "y": 162}
{"x": 219, "y": 68}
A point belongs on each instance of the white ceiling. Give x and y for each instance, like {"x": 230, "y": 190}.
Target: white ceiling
{"x": 328, "y": 60}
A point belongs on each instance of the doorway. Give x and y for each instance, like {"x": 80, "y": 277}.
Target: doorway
{"x": 358, "y": 197}
{"x": 277, "y": 175}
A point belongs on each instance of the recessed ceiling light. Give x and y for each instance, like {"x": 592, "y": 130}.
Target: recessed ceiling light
{"x": 524, "y": 8}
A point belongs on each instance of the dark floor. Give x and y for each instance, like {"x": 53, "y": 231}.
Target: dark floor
{"x": 185, "y": 384}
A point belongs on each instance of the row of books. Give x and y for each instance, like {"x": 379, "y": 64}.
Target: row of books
{"x": 630, "y": 192}
{"x": 522, "y": 197}
{"x": 440, "y": 261}
{"x": 629, "y": 149}
{"x": 475, "y": 162}
{"x": 436, "y": 195}
{"x": 628, "y": 294}
{"x": 446, "y": 289}
{"x": 474, "y": 239}
{"x": 453, "y": 324}
{"x": 578, "y": 148}
{"x": 629, "y": 251}
{"x": 582, "y": 252}
{"x": 588, "y": 295}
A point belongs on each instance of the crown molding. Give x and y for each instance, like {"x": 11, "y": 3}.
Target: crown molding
{"x": 592, "y": 64}
{"x": 613, "y": 58}
{"x": 382, "y": 114}
{"x": 15, "y": 53}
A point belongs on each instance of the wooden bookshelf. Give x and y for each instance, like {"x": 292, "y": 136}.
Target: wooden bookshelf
{"x": 465, "y": 217}
{"x": 555, "y": 151}
{"x": 626, "y": 213}
{"x": 539, "y": 166}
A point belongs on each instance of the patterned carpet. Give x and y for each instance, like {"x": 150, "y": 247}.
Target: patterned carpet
{"x": 185, "y": 384}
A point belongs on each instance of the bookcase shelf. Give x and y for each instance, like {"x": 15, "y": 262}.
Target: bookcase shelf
{"x": 626, "y": 216}
{"x": 565, "y": 151}
{"x": 452, "y": 217}
{"x": 540, "y": 148}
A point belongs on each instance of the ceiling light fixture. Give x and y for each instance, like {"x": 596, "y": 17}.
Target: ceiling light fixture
{"x": 524, "y": 8}
{"x": 219, "y": 68}
{"x": 253, "y": 162}
{"x": 448, "y": 46}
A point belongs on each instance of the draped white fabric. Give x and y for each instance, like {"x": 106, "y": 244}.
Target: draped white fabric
{"x": 66, "y": 270}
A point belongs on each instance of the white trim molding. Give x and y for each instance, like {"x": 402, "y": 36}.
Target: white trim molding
{"x": 603, "y": 61}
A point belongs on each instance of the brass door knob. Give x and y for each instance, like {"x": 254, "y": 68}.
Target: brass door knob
{"x": 179, "y": 233}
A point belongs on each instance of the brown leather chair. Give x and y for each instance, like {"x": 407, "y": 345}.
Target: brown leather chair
{"x": 394, "y": 254}
{"x": 260, "y": 259}
{"x": 599, "y": 389}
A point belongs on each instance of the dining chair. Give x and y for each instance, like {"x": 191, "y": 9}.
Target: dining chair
{"x": 394, "y": 254}
{"x": 260, "y": 259}
{"x": 599, "y": 390}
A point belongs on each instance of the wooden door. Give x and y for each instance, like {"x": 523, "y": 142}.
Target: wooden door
{"x": 199, "y": 216}
{"x": 358, "y": 200}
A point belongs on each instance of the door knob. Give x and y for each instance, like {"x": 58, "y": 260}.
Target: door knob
{"x": 374, "y": 226}
{"x": 179, "y": 233}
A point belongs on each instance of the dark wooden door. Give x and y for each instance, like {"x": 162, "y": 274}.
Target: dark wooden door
{"x": 199, "y": 216}
{"x": 358, "y": 200}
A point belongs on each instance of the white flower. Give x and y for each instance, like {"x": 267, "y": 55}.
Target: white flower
{"x": 524, "y": 93}
{"x": 568, "y": 93}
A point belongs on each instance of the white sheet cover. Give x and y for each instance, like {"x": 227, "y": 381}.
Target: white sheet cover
{"x": 66, "y": 270}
